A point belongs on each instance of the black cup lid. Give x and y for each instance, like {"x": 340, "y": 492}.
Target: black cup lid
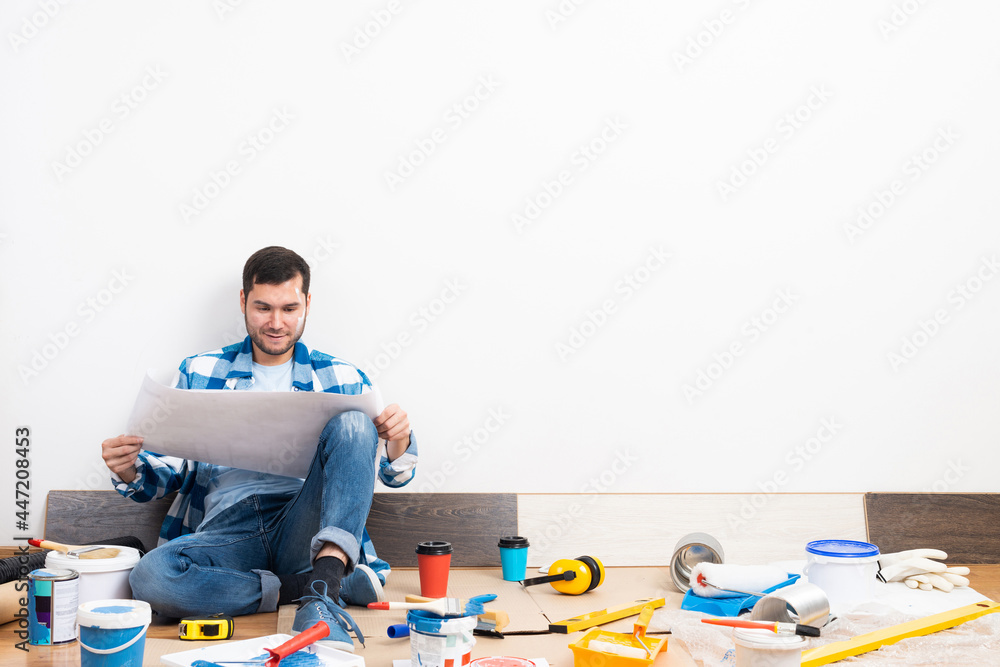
{"x": 434, "y": 548}
{"x": 513, "y": 542}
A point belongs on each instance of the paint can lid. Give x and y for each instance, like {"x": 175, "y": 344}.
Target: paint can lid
{"x": 434, "y": 548}
{"x": 114, "y": 614}
{"x": 125, "y": 560}
{"x": 513, "y": 542}
{"x": 53, "y": 574}
{"x": 842, "y": 549}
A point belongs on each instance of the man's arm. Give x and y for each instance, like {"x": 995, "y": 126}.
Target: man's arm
{"x": 398, "y": 465}
{"x": 393, "y": 425}
{"x": 140, "y": 475}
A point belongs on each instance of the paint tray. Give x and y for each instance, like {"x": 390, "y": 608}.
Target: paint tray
{"x": 587, "y": 657}
{"x": 249, "y": 649}
{"x": 731, "y": 606}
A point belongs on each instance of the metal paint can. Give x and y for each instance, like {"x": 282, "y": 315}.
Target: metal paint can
{"x": 692, "y": 549}
{"x": 53, "y": 596}
{"x": 802, "y": 603}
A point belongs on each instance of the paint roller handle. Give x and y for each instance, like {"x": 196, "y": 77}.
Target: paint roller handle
{"x": 301, "y": 640}
{"x": 641, "y": 623}
{"x": 568, "y": 575}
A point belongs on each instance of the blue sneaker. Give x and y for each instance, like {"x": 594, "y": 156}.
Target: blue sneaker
{"x": 320, "y": 607}
{"x": 361, "y": 587}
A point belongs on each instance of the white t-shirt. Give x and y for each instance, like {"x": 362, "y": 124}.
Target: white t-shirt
{"x": 228, "y": 486}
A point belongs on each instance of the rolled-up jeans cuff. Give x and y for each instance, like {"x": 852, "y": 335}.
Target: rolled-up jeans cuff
{"x": 269, "y": 587}
{"x": 342, "y": 539}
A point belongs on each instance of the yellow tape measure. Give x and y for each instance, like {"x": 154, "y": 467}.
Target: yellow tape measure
{"x": 206, "y": 629}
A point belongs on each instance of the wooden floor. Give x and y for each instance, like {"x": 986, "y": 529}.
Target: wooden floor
{"x": 985, "y": 579}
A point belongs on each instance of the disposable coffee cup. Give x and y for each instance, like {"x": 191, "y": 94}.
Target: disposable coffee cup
{"x": 433, "y": 561}
{"x": 513, "y": 557}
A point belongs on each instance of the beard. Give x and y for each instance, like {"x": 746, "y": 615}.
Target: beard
{"x": 271, "y": 347}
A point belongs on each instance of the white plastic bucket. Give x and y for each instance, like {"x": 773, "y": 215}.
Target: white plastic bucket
{"x": 437, "y": 641}
{"x": 100, "y": 578}
{"x": 844, "y": 569}
{"x": 763, "y": 648}
{"x": 113, "y": 632}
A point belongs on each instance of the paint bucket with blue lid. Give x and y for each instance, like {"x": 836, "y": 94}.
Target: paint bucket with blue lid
{"x": 113, "y": 632}
{"x": 844, "y": 569}
{"x": 439, "y": 641}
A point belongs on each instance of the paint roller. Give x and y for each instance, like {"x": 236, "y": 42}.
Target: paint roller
{"x": 719, "y": 580}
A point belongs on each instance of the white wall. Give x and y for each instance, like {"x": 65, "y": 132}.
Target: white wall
{"x": 871, "y": 98}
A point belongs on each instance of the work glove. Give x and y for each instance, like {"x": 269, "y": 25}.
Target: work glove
{"x": 916, "y": 569}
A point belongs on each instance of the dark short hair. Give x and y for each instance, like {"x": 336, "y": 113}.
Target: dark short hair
{"x": 274, "y": 265}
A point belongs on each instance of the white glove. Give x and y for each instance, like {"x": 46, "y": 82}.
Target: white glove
{"x": 915, "y": 569}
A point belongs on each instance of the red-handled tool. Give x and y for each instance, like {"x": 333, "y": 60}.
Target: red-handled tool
{"x": 301, "y": 640}
{"x": 777, "y": 628}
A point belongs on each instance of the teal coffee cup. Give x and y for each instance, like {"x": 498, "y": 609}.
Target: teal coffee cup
{"x": 513, "y": 557}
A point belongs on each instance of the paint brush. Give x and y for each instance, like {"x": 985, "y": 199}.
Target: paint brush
{"x": 777, "y": 628}
{"x": 441, "y": 606}
{"x": 489, "y": 623}
{"x": 77, "y": 552}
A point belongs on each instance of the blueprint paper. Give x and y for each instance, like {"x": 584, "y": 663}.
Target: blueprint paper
{"x": 274, "y": 432}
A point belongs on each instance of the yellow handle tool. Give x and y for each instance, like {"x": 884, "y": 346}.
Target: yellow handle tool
{"x": 604, "y": 615}
{"x": 824, "y": 655}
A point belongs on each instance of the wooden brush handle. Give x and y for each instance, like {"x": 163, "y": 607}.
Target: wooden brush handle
{"x": 54, "y": 546}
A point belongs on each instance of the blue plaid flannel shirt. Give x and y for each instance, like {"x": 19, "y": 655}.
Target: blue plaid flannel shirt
{"x": 232, "y": 368}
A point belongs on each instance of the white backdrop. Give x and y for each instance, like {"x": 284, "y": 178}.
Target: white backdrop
{"x": 594, "y": 246}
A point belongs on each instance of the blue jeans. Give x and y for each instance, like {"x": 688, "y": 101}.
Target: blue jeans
{"x": 230, "y": 565}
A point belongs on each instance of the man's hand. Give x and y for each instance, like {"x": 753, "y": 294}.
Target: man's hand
{"x": 394, "y": 426}
{"x": 120, "y": 455}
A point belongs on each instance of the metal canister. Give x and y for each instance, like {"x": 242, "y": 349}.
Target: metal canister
{"x": 801, "y": 603}
{"x": 692, "y": 549}
{"x": 53, "y": 596}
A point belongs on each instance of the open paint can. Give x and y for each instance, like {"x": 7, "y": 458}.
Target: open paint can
{"x": 440, "y": 642}
{"x": 692, "y": 549}
{"x": 763, "y": 648}
{"x": 100, "y": 578}
{"x": 113, "y": 632}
